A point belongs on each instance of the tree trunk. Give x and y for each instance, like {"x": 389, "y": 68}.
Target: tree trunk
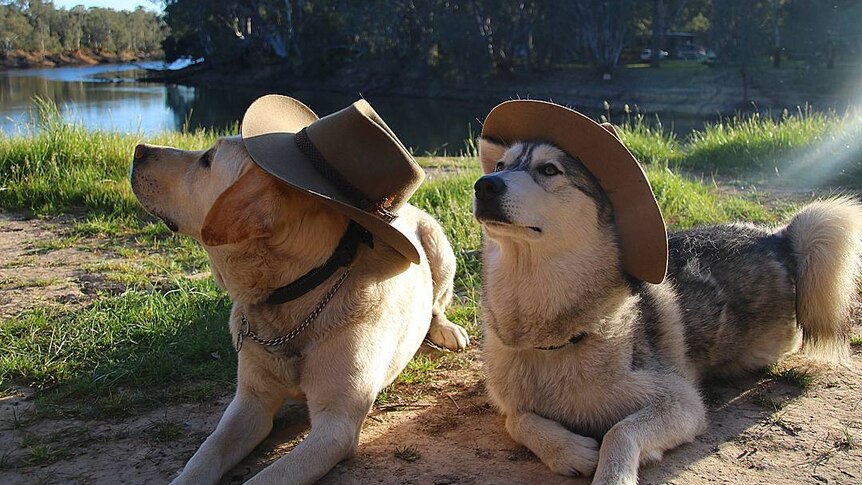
{"x": 776, "y": 35}
{"x": 485, "y": 30}
{"x": 658, "y": 29}
{"x": 292, "y": 42}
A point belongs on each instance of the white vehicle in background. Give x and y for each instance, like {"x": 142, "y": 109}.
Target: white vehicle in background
{"x": 646, "y": 54}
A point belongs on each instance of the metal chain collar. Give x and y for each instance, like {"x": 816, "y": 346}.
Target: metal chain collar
{"x": 245, "y": 331}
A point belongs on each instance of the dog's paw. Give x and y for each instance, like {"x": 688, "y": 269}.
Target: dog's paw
{"x": 577, "y": 457}
{"x": 448, "y": 335}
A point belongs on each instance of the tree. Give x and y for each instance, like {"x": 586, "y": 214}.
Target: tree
{"x": 740, "y": 31}
{"x": 15, "y": 29}
{"x": 665, "y": 14}
{"x": 71, "y": 28}
{"x": 603, "y": 26}
{"x": 38, "y": 26}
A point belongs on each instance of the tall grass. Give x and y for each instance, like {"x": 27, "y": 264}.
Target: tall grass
{"x": 650, "y": 141}
{"x": 802, "y": 148}
{"x": 57, "y": 166}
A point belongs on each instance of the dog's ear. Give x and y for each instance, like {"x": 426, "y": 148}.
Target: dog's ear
{"x": 490, "y": 152}
{"x": 245, "y": 210}
{"x": 612, "y": 129}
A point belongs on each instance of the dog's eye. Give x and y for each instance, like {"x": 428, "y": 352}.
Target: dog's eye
{"x": 549, "y": 170}
{"x": 205, "y": 159}
{"x": 499, "y": 167}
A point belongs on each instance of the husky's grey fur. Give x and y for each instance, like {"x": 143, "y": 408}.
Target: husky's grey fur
{"x": 579, "y": 353}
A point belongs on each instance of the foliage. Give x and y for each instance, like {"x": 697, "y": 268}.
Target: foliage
{"x": 460, "y": 40}
{"x": 38, "y": 26}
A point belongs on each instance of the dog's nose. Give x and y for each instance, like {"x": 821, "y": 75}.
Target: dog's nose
{"x": 489, "y": 187}
{"x": 140, "y": 151}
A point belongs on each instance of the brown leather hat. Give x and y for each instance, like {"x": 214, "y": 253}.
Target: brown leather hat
{"x": 350, "y": 160}
{"x": 642, "y": 233}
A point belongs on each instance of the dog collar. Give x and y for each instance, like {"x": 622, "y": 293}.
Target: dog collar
{"x": 245, "y": 331}
{"x": 342, "y": 256}
{"x": 577, "y": 338}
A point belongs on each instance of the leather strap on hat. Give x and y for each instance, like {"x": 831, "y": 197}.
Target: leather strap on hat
{"x": 342, "y": 256}
{"x": 322, "y": 165}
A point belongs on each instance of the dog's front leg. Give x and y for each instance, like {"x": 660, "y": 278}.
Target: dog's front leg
{"x": 334, "y": 436}
{"x": 644, "y": 436}
{"x": 561, "y": 450}
{"x": 245, "y": 423}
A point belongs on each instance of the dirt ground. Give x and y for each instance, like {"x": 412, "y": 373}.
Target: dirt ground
{"x": 763, "y": 430}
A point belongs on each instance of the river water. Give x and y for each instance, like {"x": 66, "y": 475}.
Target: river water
{"x": 109, "y": 97}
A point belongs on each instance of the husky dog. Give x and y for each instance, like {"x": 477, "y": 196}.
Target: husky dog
{"x": 598, "y": 372}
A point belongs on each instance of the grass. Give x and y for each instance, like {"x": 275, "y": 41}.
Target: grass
{"x": 5, "y": 459}
{"x": 156, "y": 340}
{"x": 804, "y": 148}
{"x": 144, "y": 341}
{"x": 165, "y": 430}
{"x": 44, "y": 454}
{"x": 407, "y": 453}
{"x": 418, "y": 370}
{"x": 845, "y": 441}
{"x": 797, "y": 377}
{"x": 797, "y": 148}
{"x": 63, "y": 166}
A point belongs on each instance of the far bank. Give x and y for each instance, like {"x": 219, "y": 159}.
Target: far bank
{"x": 679, "y": 87}
{"x": 19, "y": 59}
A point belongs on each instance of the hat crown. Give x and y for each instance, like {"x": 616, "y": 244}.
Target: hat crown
{"x": 350, "y": 160}
{"x": 357, "y": 144}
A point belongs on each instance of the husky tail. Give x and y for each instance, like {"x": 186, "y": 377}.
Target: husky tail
{"x": 826, "y": 240}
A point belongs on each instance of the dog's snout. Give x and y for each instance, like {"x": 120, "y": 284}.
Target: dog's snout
{"x": 489, "y": 187}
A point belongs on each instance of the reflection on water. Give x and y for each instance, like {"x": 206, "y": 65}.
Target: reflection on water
{"x": 109, "y": 97}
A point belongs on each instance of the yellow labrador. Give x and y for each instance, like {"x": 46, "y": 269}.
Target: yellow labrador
{"x": 261, "y": 234}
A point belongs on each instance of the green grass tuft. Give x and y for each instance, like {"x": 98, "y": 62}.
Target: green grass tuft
{"x": 407, "y": 453}
{"x": 44, "y": 454}
{"x": 845, "y": 441}
{"x": 651, "y": 144}
{"x": 418, "y": 370}
{"x": 800, "y": 378}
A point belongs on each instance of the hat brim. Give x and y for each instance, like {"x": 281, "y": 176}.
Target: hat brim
{"x": 640, "y": 226}
{"x": 268, "y": 130}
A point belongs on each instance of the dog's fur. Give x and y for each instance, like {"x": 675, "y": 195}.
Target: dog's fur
{"x": 260, "y": 235}
{"x": 737, "y": 298}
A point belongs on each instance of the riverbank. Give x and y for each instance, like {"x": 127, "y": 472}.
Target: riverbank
{"x": 679, "y": 87}
{"x": 17, "y": 59}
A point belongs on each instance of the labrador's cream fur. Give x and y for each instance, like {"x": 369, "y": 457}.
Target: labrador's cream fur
{"x": 260, "y": 235}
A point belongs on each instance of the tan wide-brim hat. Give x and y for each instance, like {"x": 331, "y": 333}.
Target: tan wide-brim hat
{"x": 350, "y": 160}
{"x": 641, "y": 229}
